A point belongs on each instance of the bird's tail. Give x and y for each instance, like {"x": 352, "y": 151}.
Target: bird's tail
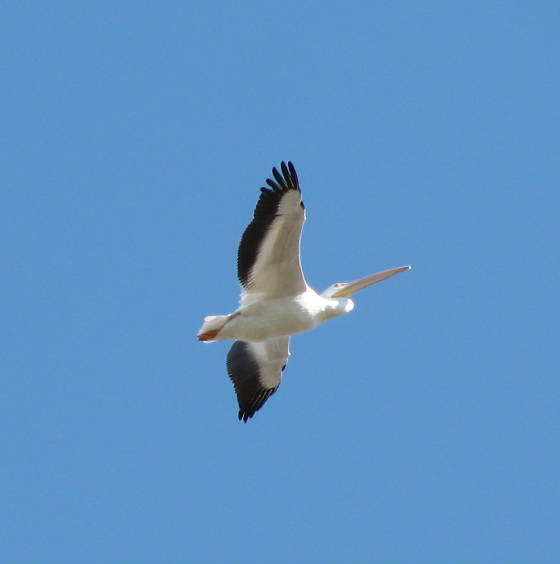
{"x": 212, "y": 325}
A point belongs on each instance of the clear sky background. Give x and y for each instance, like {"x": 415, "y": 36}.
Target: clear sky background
{"x": 424, "y": 426}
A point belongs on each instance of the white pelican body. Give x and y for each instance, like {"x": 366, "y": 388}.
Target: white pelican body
{"x": 276, "y": 301}
{"x": 281, "y": 317}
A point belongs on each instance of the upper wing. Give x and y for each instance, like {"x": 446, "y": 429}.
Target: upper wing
{"x": 268, "y": 257}
{"x": 255, "y": 370}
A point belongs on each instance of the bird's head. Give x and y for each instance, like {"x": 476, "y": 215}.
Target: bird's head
{"x": 346, "y": 289}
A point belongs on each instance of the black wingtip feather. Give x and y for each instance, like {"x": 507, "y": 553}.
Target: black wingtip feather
{"x": 273, "y": 185}
{"x": 293, "y": 174}
{"x": 282, "y": 180}
{"x": 287, "y": 175}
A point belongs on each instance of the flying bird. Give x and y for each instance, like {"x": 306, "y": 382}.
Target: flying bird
{"x": 276, "y": 301}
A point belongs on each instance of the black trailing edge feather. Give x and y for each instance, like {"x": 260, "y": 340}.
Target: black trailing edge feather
{"x": 265, "y": 212}
{"x": 243, "y": 371}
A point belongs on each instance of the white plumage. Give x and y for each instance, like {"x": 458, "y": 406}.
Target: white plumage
{"x": 276, "y": 301}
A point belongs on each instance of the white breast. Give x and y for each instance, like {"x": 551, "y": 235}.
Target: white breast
{"x": 268, "y": 318}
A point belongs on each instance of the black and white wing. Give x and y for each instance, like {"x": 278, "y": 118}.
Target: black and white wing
{"x": 268, "y": 261}
{"x": 256, "y": 370}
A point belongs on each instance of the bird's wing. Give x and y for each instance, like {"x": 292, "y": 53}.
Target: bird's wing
{"x": 268, "y": 261}
{"x": 256, "y": 370}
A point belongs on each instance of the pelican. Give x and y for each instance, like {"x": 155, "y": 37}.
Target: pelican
{"x": 276, "y": 301}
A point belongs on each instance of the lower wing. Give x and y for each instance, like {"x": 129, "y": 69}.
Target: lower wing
{"x": 256, "y": 370}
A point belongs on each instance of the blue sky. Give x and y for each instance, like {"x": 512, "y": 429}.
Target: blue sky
{"x": 424, "y": 426}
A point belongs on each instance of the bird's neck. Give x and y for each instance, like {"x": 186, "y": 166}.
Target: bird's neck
{"x": 337, "y": 307}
